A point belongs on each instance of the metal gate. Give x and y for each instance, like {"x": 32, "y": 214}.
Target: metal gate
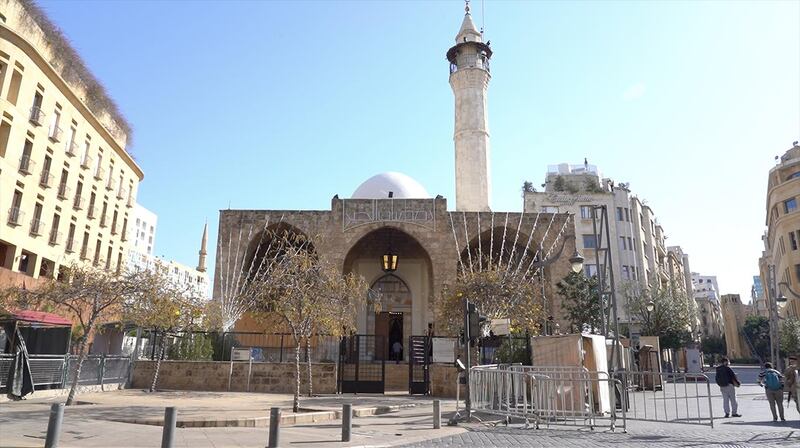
{"x": 419, "y": 358}
{"x": 362, "y": 367}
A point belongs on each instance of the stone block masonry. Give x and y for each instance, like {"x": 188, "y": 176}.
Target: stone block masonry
{"x": 213, "y": 376}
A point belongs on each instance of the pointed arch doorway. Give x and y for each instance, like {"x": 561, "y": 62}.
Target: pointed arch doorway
{"x": 393, "y": 321}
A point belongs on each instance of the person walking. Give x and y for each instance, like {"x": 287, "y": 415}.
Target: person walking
{"x": 728, "y": 382}
{"x": 772, "y": 382}
{"x": 792, "y": 382}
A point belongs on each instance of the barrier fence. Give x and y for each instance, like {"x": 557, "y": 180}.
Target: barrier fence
{"x": 668, "y": 397}
{"x": 57, "y": 371}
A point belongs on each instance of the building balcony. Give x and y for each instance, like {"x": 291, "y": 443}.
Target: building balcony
{"x": 110, "y": 185}
{"x": 37, "y": 116}
{"x": 70, "y": 248}
{"x": 37, "y": 227}
{"x": 46, "y": 179}
{"x": 121, "y": 193}
{"x": 56, "y": 134}
{"x": 86, "y": 163}
{"x": 99, "y": 174}
{"x": 131, "y": 201}
{"x": 26, "y": 165}
{"x": 55, "y": 237}
{"x": 63, "y": 191}
{"x": 71, "y": 149}
{"x": 15, "y": 216}
{"x": 104, "y": 220}
{"x": 91, "y": 212}
{"x": 78, "y": 203}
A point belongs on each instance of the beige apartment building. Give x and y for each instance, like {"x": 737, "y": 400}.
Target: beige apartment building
{"x": 734, "y": 313}
{"x": 67, "y": 184}
{"x": 779, "y": 265}
{"x": 638, "y": 251}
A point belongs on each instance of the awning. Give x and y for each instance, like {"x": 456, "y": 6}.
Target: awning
{"x": 36, "y": 317}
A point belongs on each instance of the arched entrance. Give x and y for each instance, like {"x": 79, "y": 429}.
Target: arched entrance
{"x": 393, "y": 321}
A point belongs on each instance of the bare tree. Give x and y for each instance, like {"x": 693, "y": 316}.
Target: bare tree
{"x": 91, "y": 296}
{"x": 165, "y": 307}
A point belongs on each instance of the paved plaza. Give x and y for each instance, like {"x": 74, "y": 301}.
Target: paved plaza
{"x": 106, "y": 419}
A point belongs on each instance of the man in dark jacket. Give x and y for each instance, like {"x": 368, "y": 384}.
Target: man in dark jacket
{"x": 728, "y": 382}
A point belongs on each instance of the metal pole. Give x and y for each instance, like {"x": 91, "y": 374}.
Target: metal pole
{"x": 54, "y": 425}
{"x": 616, "y": 354}
{"x": 274, "y": 427}
{"x": 437, "y": 414}
{"x": 467, "y": 339}
{"x": 347, "y": 421}
{"x": 170, "y": 419}
{"x": 600, "y": 283}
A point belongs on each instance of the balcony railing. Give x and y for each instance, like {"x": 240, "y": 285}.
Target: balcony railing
{"x": 26, "y": 165}
{"x": 71, "y": 149}
{"x": 84, "y": 252}
{"x": 121, "y": 193}
{"x": 131, "y": 201}
{"x": 86, "y": 163}
{"x": 63, "y": 190}
{"x": 46, "y": 179}
{"x": 104, "y": 220}
{"x": 55, "y": 237}
{"x": 37, "y": 226}
{"x": 100, "y": 174}
{"x": 70, "y": 245}
{"x": 110, "y": 185}
{"x": 37, "y": 116}
{"x": 78, "y": 203}
{"x": 15, "y": 216}
{"x": 91, "y": 212}
{"x": 56, "y": 134}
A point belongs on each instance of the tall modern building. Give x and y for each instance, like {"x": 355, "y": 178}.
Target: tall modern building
{"x": 67, "y": 184}
{"x": 142, "y": 232}
{"x": 637, "y": 241}
{"x": 779, "y": 265}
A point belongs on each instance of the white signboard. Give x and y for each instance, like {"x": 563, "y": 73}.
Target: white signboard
{"x": 240, "y": 354}
{"x": 501, "y": 327}
{"x": 444, "y": 350}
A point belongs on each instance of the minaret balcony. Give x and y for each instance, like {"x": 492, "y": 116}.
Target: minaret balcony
{"x": 471, "y": 61}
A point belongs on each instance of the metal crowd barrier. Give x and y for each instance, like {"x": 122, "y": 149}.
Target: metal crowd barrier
{"x": 57, "y": 371}
{"x": 568, "y": 397}
{"x": 668, "y": 397}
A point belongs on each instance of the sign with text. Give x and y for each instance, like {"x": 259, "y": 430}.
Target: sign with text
{"x": 444, "y": 350}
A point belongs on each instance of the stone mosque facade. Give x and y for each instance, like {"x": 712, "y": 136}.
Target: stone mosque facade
{"x": 392, "y": 210}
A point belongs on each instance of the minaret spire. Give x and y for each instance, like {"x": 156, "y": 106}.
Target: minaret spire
{"x": 201, "y": 262}
{"x": 469, "y": 78}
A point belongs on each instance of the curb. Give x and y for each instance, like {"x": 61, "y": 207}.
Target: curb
{"x": 288, "y": 419}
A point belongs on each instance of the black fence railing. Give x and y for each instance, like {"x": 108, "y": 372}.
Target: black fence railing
{"x": 57, "y": 371}
{"x": 217, "y": 346}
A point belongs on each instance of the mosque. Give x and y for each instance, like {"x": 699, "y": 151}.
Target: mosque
{"x": 391, "y": 213}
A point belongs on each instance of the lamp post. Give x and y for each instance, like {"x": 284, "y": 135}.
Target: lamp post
{"x": 577, "y": 262}
{"x": 650, "y": 307}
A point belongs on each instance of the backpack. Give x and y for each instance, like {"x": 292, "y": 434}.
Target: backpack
{"x": 772, "y": 380}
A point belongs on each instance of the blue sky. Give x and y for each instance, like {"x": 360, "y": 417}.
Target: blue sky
{"x": 273, "y": 105}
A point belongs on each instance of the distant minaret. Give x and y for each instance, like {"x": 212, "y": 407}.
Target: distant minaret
{"x": 201, "y": 262}
{"x": 469, "y": 78}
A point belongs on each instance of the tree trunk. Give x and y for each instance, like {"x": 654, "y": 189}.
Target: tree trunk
{"x": 296, "y": 401}
{"x": 161, "y": 345}
{"x": 308, "y": 365}
{"x": 81, "y": 358}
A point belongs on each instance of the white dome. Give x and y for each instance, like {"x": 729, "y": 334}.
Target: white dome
{"x": 379, "y": 186}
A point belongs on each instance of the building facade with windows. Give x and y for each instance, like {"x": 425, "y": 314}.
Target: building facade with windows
{"x": 142, "y": 232}
{"x": 706, "y": 295}
{"x": 779, "y": 265}
{"x": 735, "y": 313}
{"x": 758, "y": 298}
{"x": 67, "y": 184}
{"x": 639, "y": 255}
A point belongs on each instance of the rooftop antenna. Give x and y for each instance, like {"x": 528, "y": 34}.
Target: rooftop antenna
{"x": 483, "y": 18}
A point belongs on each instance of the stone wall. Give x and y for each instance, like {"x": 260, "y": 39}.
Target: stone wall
{"x": 213, "y": 376}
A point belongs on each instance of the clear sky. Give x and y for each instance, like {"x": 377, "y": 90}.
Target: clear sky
{"x": 281, "y": 105}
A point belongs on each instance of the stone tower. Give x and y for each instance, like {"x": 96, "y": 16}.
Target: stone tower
{"x": 201, "y": 262}
{"x": 469, "y": 78}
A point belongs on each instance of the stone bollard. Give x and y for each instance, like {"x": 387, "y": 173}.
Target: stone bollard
{"x": 54, "y": 425}
{"x": 437, "y": 414}
{"x": 170, "y": 420}
{"x": 347, "y": 421}
{"x": 274, "y": 427}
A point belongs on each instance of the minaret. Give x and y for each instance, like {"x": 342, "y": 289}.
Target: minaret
{"x": 469, "y": 78}
{"x": 201, "y": 262}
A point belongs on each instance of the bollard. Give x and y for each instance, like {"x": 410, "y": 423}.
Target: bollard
{"x": 170, "y": 420}
{"x": 347, "y": 421}
{"x": 437, "y": 414}
{"x": 54, "y": 425}
{"x": 274, "y": 427}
